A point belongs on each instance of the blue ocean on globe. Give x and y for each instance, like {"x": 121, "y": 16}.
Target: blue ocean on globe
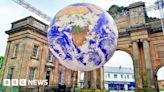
{"x": 82, "y": 37}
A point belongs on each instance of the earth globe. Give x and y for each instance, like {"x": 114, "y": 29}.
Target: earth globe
{"x": 82, "y": 37}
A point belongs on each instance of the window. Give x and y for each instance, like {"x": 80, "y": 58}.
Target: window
{"x": 132, "y": 76}
{"x": 48, "y": 77}
{"x": 121, "y": 76}
{"x": 61, "y": 77}
{"x": 10, "y": 73}
{"x": 108, "y": 75}
{"x": 32, "y": 73}
{"x": 49, "y": 57}
{"x": 35, "y": 51}
{"x": 15, "y": 51}
{"x": 115, "y": 75}
{"x": 81, "y": 75}
{"x": 127, "y": 76}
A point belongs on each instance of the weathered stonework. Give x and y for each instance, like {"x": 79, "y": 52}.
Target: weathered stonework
{"x": 27, "y": 35}
{"x": 144, "y": 41}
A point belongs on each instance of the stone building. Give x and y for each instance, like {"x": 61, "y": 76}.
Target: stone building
{"x": 28, "y": 57}
{"x": 143, "y": 39}
{"x": 27, "y": 54}
{"x": 161, "y": 84}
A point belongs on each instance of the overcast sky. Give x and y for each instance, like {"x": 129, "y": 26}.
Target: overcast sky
{"x": 120, "y": 58}
{"x": 10, "y": 12}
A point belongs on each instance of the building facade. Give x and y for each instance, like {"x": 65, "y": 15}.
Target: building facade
{"x": 119, "y": 78}
{"x": 115, "y": 78}
{"x": 141, "y": 37}
{"x": 27, "y": 51}
{"x": 28, "y": 57}
{"x": 161, "y": 84}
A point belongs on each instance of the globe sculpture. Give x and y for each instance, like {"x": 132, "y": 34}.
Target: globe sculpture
{"x": 82, "y": 37}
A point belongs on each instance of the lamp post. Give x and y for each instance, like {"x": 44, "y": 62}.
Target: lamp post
{"x": 161, "y": 10}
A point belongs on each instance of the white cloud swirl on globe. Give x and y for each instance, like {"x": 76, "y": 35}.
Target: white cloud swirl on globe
{"x": 82, "y": 37}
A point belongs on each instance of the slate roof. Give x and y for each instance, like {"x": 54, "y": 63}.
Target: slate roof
{"x": 124, "y": 70}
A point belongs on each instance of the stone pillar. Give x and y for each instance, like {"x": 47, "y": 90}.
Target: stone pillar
{"x": 149, "y": 68}
{"x": 86, "y": 79}
{"x": 102, "y": 78}
{"x": 138, "y": 79}
{"x": 93, "y": 79}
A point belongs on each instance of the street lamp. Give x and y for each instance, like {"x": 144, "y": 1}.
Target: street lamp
{"x": 161, "y": 10}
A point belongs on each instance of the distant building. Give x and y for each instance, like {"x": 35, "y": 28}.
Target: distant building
{"x": 119, "y": 78}
{"x": 81, "y": 79}
{"x": 115, "y": 78}
{"x": 161, "y": 84}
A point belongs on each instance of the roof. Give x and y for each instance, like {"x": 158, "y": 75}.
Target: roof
{"x": 28, "y": 18}
{"x": 124, "y": 70}
{"x": 136, "y": 4}
{"x": 28, "y": 24}
{"x": 23, "y": 27}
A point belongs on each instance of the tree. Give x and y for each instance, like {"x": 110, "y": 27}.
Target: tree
{"x": 114, "y": 9}
{"x": 1, "y": 61}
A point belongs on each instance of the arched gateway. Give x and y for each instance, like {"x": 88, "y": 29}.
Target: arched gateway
{"x": 142, "y": 38}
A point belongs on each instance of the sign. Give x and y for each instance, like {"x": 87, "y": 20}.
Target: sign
{"x": 24, "y": 82}
{"x": 118, "y": 82}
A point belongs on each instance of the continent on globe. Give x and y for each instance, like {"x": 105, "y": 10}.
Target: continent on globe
{"x": 82, "y": 37}
{"x": 79, "y": 35}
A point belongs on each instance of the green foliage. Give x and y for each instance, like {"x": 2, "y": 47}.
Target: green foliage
{"x": 161, "y": 89}
{"x": 114, "y": 9}
{"x": 85, "y": 90}
{"x": 1, "y": 62}
{"x": 90, "y": 90}
{"x": 74, "y": 90}
{"x": 1, "y": 58}
{"x": 146, "y": 90}
{"x": 77, "y": 29}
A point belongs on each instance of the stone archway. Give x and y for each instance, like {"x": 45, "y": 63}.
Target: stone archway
{"x": 156, "y": 75}
{"x": 125, "y": 50}
{"x": 144, "y": 41}
{"x": 158, "y": 67}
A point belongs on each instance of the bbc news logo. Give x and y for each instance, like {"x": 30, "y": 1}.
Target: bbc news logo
{"x": 24, "y": 82}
